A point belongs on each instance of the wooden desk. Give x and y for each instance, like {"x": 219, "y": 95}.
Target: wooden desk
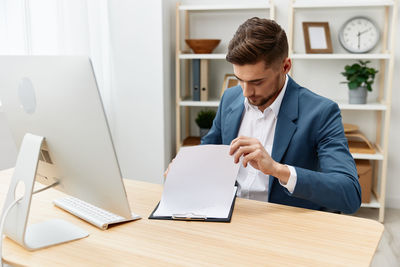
{"x": 260, "y": 234}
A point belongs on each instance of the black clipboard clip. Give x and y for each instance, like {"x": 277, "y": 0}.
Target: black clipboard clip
{"x": 189, "y": 216}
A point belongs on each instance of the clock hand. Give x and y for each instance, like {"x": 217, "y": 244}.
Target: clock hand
{"x": 358, "y": 35}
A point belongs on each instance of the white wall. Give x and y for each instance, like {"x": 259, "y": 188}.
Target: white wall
{"x": 393, "y": 178}
{"x": 139, "y": 110}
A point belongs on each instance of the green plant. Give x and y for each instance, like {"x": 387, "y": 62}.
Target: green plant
{"x": 359, "y": 75}
{"x": 205, "y": 118}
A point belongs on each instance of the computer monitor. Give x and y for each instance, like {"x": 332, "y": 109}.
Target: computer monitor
{"x": 57, "y": 97}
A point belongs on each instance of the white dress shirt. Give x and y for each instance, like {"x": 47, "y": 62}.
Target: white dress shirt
{"x": 252, "y": 183}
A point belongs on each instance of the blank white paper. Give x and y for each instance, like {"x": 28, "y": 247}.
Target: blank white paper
{"x": 200, "y": 181}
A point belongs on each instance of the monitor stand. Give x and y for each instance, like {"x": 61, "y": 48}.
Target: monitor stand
{"x": 37, "y": 235}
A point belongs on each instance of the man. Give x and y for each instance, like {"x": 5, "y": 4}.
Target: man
{"x": 291, "y": 141}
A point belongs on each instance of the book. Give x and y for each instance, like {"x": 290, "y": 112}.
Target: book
{"x": 204, "y": 80}
{"x": 196, "y": 79}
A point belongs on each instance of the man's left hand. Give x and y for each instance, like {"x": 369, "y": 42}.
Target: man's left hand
{"x": 253, "y": 152}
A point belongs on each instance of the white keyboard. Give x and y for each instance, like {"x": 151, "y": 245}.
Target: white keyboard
{"x": 90, "y": 213}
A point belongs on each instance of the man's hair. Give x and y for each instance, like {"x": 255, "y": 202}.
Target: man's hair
{"x": 258, "y": 39}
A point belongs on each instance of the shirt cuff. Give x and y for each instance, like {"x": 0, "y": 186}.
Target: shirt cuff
{"x": 291, "y": 184}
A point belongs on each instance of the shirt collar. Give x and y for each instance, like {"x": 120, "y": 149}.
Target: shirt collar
{"x": 275, "y": 106}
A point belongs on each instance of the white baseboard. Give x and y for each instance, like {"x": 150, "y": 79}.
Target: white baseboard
{"x": 393, "y": 202}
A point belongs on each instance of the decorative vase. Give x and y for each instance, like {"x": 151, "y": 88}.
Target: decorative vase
{"x": 358, "y": 95}
{"x": 203, "y": 132}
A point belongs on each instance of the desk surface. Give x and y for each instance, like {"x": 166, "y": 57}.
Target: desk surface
{"x": 259, "y": 234}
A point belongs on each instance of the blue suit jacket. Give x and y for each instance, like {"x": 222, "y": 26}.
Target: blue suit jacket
{"x": 309, "y": 136}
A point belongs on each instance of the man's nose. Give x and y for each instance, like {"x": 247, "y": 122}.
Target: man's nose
{"x": 247, "y": 89}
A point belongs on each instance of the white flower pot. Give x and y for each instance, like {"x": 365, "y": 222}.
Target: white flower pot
{"x": 358, "y": 95}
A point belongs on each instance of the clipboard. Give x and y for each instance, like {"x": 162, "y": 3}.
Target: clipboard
{"x": 194, "y": 217}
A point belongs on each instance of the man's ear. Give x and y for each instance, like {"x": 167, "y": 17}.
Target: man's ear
{"x": 287, "y": 65}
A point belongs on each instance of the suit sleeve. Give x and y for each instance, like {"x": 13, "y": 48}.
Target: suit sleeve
{"x": 335, "y": 185}
{"x": 214, "y": 135}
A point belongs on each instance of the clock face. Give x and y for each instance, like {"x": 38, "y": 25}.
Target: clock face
{"x": 359, "y": 35}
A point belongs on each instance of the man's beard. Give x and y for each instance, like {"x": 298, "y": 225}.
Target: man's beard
{"x": 265, "y": 100}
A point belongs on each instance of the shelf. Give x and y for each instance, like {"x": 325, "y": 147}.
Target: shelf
{"x": 224, "y": 7}
{"x": 190, "y": 103}
{"x": 340, "y": 56}
{"x": 202, "y": 56}
{"x": 376, "y": 156}
{"x": 374, "y": 203}
{"x": 368, "y": 106}
{"x": 341, "y": 3}
{"x": 342, "y": 106}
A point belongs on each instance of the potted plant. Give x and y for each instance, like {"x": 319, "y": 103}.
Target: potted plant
{"x": 359, "y": 80}
{"x": 205, "y": 120}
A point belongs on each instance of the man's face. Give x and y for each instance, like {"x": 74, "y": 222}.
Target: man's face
{"x": 261, "y": 84}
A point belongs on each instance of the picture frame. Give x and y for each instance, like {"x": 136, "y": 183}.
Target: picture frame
{"x": 230, "y": 80}
{"x": 317, "y": 37}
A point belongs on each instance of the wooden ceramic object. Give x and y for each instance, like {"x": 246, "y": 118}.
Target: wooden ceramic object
{"x": 358, "y": 143}
{"x": 202, "y": 46}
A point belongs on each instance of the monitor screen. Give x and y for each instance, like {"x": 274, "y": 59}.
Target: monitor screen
{"x": 57, "y": 97}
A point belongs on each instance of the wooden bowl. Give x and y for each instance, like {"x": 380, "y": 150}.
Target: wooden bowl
{"x": 202, "y": 46}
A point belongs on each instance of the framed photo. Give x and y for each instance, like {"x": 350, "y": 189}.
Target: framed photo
{"x": 317, "y": 37}
{"x": 229, "y": 81}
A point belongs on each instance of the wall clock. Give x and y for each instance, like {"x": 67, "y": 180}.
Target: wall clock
{"x": 359, "y": 35}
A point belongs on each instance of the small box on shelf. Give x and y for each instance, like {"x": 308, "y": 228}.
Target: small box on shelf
{"x": 364, "y": 170}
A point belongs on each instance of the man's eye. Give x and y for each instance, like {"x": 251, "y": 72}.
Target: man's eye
{"x": 257, "y": 83}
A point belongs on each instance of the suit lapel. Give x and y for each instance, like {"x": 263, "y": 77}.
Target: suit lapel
{"x": 233, "y": 120}
{"x": 285, "y": 125}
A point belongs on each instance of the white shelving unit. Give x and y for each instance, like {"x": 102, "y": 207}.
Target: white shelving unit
{"x": 183, "y": 102}
{"x": 190, "y": 103}
{"x": 383, "y": 104}
{"x": 343, "y": 106}
{"x": 376, "y": 156}
{"x": 224, "y": 7}
{"x": 369, "y": 106}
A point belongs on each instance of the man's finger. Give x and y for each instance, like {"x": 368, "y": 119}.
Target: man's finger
{"x": 244, "y": 150}
{"x": 242, "y": 141}
{"x": 249, "y": 157}
{"x": 237, "y": 138}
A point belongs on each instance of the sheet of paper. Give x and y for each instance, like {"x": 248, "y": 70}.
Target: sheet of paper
{"x": 200, "y": 181}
